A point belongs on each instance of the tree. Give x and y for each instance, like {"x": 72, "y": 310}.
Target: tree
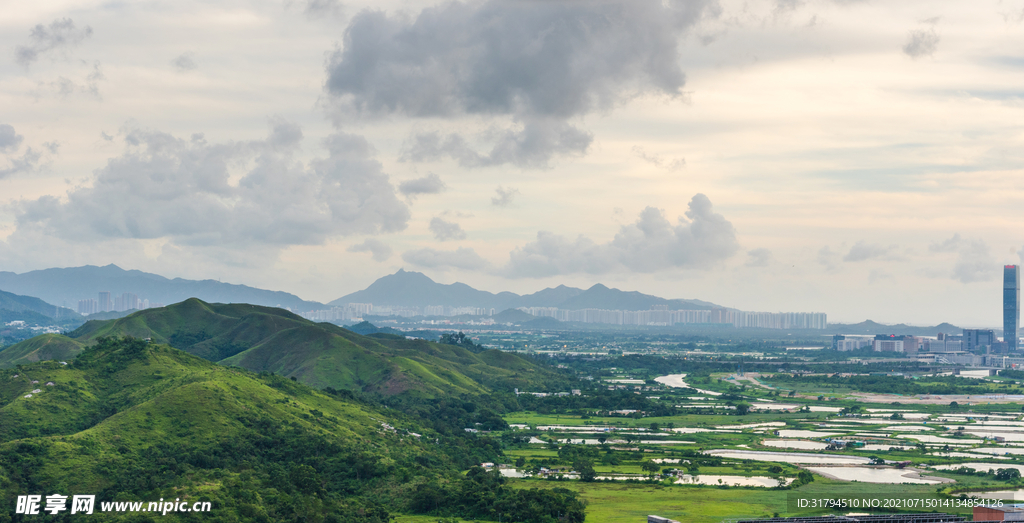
{"x": 586, "y": 469}
{"x": 742, "y": 409}
{"x": 792, "y": 393}
{"x": 1007, "y": 474}
{"x": 896, "y": 415}
{"x": 520, "y": 461}
{"x": 875, "y": 460}
{"x": 652, "y": 468}
{"x": 954, "y": 405}
{"x": 459, "y": 338}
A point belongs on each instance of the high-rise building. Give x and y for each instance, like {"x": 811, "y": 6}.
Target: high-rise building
{"x": 106, "y": 304}
{"x": 979, "y": 341}
{"x": 1011, "y": 305}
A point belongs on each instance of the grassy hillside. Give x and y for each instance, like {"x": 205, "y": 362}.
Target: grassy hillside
{"x": 136, "y": 421}
{"x": 41, "y": 348}
{"x": 321, "y": 355}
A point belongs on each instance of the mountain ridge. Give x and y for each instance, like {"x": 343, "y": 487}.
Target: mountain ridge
{"x": 71, "y": 284}
{"x": 322, "y": 355}
{"x": 415, "y": 289}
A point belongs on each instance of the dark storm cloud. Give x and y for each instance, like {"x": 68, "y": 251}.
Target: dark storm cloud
{"x": 444, "y": 230}
{"x": 651, "y": 244}
{"x": 379, "y": 250}
{"x": 60, "y": 36}
{"x": 462, "y": 258}
{"x": 921, "y": 42}
{"x": 504, "y": 196}
{"x": 429, "y": 184}
{"x": 166, "y": 187}
{"x": 540, "y": 63}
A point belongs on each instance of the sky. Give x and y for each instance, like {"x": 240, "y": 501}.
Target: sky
{"x": 861, "y": 158}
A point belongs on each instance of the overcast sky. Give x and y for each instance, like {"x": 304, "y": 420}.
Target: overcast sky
{"x": 859, "y": 158}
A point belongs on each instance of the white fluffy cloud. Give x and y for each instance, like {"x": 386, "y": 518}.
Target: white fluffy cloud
{"x": 651, "y": 244}
{"x": 379, "y": 250}
{"x": 446, "y": 230}
{"x": 182, "y": 190}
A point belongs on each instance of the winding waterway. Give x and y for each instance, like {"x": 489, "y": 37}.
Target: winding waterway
{"x": 676, "y": 380}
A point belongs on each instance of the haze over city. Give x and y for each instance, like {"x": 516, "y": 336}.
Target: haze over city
{"x": 858, "y": 158}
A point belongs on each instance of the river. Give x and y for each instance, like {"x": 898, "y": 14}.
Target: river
{"x": 676, "y": 380}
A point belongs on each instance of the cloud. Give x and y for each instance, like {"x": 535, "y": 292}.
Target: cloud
{"x": 60, "y": 36}
{"x": 760, "y": 257}
{"x": 164, "y": 187}
{"x": 429, "y": 184}
{"x": 876, "y": 275}
{"x": 504, "y": 196}
{"x": 462, "y": 258}
{"x": 444, "y": 230}
{"x": 951, "y": 245}
{"x": 784, "y": 8}
{"x": 64, "y": 87}
{"x": 185, "y": 62}
{"x": 651, "y": 244}
{"x": 862, "y": 251}
{"x": 380, "y": 250}
{"x": 9, "y": 139}
{"x": 828, "y": 258}
{"x": 540, "y": 63}
{"x": 975, "y": 263}
{"x": 26, "y": 163}
{"x": 532, "y": 145}
{"x": 29, "y": 161}
{"x": 323, "y": 8}
{"x": 921, "y": 42}
{"x": 672, "y": 165}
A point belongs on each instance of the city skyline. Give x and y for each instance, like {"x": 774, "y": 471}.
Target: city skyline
{"x": 853, "y": 157}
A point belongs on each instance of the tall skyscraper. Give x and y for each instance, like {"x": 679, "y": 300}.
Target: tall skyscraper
{"x": 106, "y": 304}
{"x": 1011, "y": 305}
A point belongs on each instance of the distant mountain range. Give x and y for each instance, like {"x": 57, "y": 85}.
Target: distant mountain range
{"x": 32, "y": 310}
{"x": 414, "y": 289}
{"x": 68, "y": 285}
{"x": 872, "y": 327}
{"x": 318, "y": 354}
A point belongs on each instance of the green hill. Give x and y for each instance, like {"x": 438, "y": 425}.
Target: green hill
{"x": 318, "y": 354}
{"x": 43, "y": 347}
{"x": 134, "y": 421}
{"x": 146, "y": 421}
